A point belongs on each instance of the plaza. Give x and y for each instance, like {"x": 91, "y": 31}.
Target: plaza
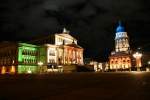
{"x": 73, "y": 86}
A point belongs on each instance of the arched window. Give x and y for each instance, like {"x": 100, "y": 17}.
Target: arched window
{"x": 116, "y": 62}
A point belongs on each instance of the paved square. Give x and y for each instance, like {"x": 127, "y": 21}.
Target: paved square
{"x": 76, "y": 86}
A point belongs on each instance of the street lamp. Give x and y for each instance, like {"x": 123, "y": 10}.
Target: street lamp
{"x": 138, "y": 56}
{"x": 148, "y": 69}
{"x": 40, "y": 65}
{"x": 148, "y": 62}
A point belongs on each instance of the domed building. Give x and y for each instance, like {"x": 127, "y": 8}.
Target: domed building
{"x": 121, "y": 57}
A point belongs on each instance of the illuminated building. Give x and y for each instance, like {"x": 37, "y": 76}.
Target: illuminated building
{"x": 60, "y": 49}
{"x": 121, "y": 58}
{"x": 27, "y": 58}
{"x": 64, "y": 38}
{"x": 70, "y": 54}
{"x": 55, "y": 39}
{"x": 50, "y": 52}
{"x": 18, "y": 58}
{"x": 64, "y": 51}
{"x": 8, "y": 57}
{"x": 97, "y": 66}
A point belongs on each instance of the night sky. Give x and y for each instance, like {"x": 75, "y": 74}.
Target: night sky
{"x": 92, "y": 22}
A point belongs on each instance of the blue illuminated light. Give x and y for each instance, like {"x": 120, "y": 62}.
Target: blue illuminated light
{"x": 120, "y": 28}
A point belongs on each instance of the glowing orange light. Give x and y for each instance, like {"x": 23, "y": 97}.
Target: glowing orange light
{"x": 12, "y": 70}
{"x": 138, "y": 56}
{"x": 3, "y": 71}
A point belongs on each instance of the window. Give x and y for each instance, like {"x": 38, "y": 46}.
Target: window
{"x": 116, "y": 62}
{"x": 128, "y": 61}
{"x": 51, "y": 53}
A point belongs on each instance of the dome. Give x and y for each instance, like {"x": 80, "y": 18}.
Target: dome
{"x": 120, "y": 28}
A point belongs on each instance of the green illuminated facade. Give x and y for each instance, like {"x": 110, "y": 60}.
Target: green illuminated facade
{"x": 42, "y": 57}
{"x": 28, "y": 57}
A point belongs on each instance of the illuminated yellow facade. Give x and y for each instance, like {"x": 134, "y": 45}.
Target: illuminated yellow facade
{"x": 70, "y": 54}
{"x": 121, "y": 58}
{"x": 64, "y": 38}
{"x": 64, "y": 51}
{"x": 120, "y": 62}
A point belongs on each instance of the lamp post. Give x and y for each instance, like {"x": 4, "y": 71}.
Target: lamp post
{"x": 148, "y": 69}
{"x": 138, "y": 56}
{"x": 148, "y": 62}
{"x": 40, "y": 66}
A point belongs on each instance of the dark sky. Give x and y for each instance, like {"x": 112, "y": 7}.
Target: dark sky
{"x": 92, "y": 22}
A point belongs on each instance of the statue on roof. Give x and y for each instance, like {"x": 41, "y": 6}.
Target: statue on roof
{"x": 65, "y": 30}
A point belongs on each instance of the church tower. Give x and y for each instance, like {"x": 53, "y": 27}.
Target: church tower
{"x": 120, "y": 58}
{"x": 121, "y": 39}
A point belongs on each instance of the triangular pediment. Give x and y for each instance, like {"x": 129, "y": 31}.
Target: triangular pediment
{"x": 66, "y": 35}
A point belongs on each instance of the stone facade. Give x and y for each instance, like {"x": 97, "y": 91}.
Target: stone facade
{"x": 121, "y": 58}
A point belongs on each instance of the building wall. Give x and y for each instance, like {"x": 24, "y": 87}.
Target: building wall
{"x": 64, "y": 38}
{"x": 51, "y": 54}
{"x": 27, "y": 58}
{"x": 42, "y": 57}
{"x": 120, "y": 62}
{"x": 20, "y": 58}
{"x": 8, "y": 57}
{"x": 73, "y": 55}
{"x": 61, "y": 53}
{"x": 64, "y": 55}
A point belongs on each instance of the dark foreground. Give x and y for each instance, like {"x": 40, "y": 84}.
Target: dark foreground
{"x": 76, "y": 86}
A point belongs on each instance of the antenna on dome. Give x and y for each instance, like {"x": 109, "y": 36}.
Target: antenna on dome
{"x": 120, "y": 23}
